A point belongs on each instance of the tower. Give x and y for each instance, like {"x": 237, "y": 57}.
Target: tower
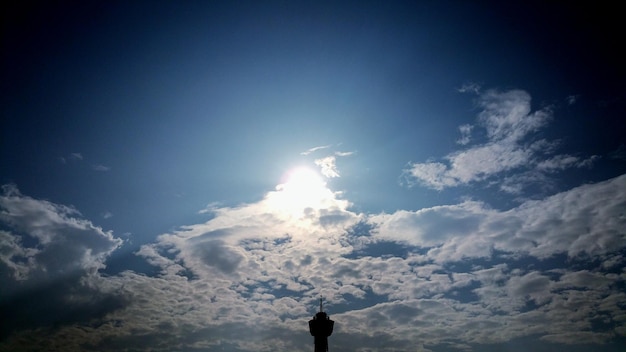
{"x": 321, "y": 327}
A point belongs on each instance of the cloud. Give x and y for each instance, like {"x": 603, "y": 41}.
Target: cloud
{"x": 71, "y": 157}
{"x": 509, "y": 124}
{"x": 78, "y": 157}
{"x": 619, "y": 153}
{"x": 470, "y": 88}
{"x": 314, "y": 149}
{"x": 48, "y": 254}
{"x": 466, "y": 131}
{"x": 460, "y": 276}
{"x": 564, "y": 161}
{"x": 55, "y": 240}
{"x": 466, "y": 270}
{"x": 328, "y": 166}
{"x": 572, "y": 99}
{"x": 572, "y": 222}
{"x": 99, "y": 167}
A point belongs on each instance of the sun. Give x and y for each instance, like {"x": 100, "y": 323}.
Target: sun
{"x": 303, "y": 181}
{"x": 303, "y": 188}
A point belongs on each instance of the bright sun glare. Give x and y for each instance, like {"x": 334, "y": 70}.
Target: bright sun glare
{"x": 303, "y": 188}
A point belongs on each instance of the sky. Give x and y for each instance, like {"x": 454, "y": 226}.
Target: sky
{"x": 194, "y": 176}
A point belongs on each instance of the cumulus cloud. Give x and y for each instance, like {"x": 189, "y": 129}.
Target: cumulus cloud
{"x": 328, "y": 166}
{"x": 47, "y": 254}
{"x": 510, "y": 126}
{"x": 573, "y": 222}
{"x": 55, "y": 240}
{"x": 479, "y": 302}
{"x": 458, "y": 275}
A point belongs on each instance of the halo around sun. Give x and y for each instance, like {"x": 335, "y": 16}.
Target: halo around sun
{"x": 302, "y": 188}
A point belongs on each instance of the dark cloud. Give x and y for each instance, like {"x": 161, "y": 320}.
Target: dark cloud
{"x": 61, "y": 302}
{"x": 216, "y": 254}
{"x": 49, "y": 257}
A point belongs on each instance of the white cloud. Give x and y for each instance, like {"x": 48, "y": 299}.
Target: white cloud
{"x": 586, "y": 220}
{"x": 328, "y": 166}
{"x": 509, "y": 124}
{"x": 456, "y": 233}
{"x": 432, "y": 226}
{"x": 344, "y": 153}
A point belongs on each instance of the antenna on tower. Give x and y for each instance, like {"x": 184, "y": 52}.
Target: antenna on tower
{"x": 321, "y": 308}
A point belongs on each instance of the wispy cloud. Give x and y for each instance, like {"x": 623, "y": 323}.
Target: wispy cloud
{"x": 564, "y": 161}
{"x": 314, "y": 149}
{"x": 510, "y": 127}
{"x": 99, "y": 167}
{"x": 71, "y": 157}
{"x": 344, "y": 153}
{"x": 78, "y": 157}
{"x": 572, "y": 99}
{"x": 466, "y": 132}
{"x": 470, "y": 87}
{"x": 619, "y": 153}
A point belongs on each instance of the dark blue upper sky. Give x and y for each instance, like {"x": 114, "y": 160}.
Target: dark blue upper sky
{"x": 439, "y": 129}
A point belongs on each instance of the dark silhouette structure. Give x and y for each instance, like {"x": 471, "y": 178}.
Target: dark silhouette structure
{"x": 321, "y": 327}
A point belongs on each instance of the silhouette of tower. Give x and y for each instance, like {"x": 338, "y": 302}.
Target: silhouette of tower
{"x": 321, "y": 327}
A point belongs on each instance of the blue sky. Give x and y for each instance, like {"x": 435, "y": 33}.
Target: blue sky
{"x": 448, "y": 176}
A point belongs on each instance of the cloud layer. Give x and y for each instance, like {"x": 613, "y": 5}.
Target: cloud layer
{"x": 443, "y": 278}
